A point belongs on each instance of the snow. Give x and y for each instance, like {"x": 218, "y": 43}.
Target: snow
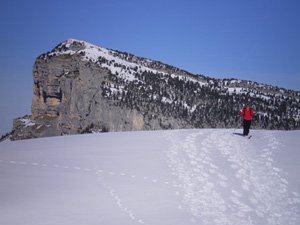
{"x": 235, "y": 81}
{"x": 93, "y": 52}
{"x": 264, "y": 97}
{"x": 189, "y": 79}
{"x": 237, "y": 90}
{"x": 27, "y": 122}
{"x": 197, "y": 176}
{"x": 166, "y": 100}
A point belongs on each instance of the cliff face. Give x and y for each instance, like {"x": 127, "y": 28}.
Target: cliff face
{"x": 79, "y": 88}
{"x": 68, "y": 93}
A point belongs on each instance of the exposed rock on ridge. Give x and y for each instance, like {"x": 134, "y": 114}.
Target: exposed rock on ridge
{"x": 79, "y": 87}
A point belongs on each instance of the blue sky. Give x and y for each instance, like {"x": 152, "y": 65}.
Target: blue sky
{"x": 254, "y": 40}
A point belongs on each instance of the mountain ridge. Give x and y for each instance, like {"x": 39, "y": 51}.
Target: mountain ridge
{"x": 80, "y": 87}
{"x": 152, "y": 63}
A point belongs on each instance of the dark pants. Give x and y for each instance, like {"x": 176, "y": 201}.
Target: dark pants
{"x": 246, "y": 125}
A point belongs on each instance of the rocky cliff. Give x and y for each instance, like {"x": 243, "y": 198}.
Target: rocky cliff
{"x": 79, "y": 88}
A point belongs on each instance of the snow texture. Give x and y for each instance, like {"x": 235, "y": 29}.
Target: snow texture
{"x": 120, "y": 66}
{"x": 27, "y": 122}
{"x": 199, "y": 176}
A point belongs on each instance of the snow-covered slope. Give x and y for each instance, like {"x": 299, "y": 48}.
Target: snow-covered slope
{"x": 199, "y": 176}
{"x": 81, "y": 88}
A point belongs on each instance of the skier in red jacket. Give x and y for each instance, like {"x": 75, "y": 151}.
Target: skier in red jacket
{"x": 247, "y": 115}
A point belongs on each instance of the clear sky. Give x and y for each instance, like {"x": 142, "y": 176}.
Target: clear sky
{"x": 256, "y": 40}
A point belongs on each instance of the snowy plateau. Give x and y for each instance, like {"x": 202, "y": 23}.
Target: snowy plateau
{"x": 171, "y": 177}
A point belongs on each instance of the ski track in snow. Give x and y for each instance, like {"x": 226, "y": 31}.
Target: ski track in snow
{"x": 116, "y": 198}
{"x": 101, "y": 175}
{"x": 257, "y": 189}
{"x": 260, "y": 190}
{"x": 97, "y": 171}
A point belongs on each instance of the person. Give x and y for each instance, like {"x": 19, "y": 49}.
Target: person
{"x": 247, "y": 115}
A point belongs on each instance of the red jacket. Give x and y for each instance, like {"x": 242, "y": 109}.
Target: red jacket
{"x": 247, "y": 114}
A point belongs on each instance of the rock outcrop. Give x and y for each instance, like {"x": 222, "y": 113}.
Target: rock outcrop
{"x": 79, "y": 88}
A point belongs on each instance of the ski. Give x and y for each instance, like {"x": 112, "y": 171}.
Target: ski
{"x": 250, "y": 137}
